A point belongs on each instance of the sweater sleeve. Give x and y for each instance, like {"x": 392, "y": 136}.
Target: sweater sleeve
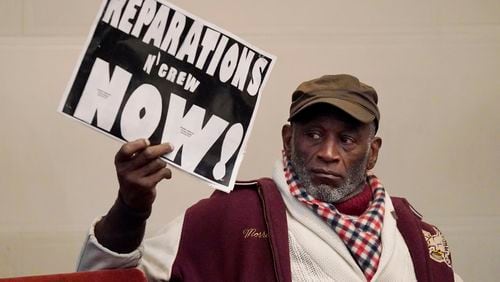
{"x": 155, "y": 256}
{"x": 457, "y": 278}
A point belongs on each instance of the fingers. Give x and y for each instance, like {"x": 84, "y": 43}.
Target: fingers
{"x": 148, "y": 182}
{"x": 151, "y": 167}
{"x": 139, "y": 168}
{"x": 136, "y": 161}
{"x": 128, "y": 150}
{"x": 153, "y": 179}
{"x": 139, "y": 152}
{"x": 149, "y": 154}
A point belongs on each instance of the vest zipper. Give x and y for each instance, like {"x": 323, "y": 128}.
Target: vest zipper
{"x": 268, "y": 226}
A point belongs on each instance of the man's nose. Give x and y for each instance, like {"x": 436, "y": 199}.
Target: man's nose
{"x": 328, "y": 152}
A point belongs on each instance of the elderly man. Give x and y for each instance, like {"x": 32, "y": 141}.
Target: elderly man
{"x": 322, "y": 217}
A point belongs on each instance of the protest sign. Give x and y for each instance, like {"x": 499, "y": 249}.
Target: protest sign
{"x": 152, "y": 70}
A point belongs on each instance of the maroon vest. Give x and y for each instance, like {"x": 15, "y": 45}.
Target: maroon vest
{"x": 428, "y": 249}
{"x": 243, "y": 236}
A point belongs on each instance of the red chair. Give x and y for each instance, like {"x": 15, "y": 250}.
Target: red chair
{"x": 113, "y": 275}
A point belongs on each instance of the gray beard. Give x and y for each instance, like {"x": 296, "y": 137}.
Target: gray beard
{"x": 356, "y": 176}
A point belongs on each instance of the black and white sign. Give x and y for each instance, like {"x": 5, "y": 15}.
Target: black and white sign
{"x": 151, "y": 70}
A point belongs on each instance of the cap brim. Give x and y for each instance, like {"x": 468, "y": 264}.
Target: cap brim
{"x": 357, "y": 111}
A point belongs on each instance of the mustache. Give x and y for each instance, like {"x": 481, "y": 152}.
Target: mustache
{"x": 354, "y": 177}
{"x": 325, "y": 171}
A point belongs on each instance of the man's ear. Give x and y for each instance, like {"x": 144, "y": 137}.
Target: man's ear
{"x": 375, "y": 145}
{"x": 286, "y": 137}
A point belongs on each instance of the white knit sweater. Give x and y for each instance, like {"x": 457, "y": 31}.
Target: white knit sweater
{"x": 316, "y": 252}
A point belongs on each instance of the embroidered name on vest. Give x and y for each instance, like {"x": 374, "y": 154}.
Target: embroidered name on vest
{"x": 250, "y": 233}
{"x": 438, "y": 247}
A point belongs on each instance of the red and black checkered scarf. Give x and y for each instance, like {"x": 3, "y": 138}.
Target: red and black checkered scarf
{"x": 361, "y": 235}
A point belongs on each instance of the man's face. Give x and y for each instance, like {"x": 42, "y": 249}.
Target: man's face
{"x": 330, "y": 152}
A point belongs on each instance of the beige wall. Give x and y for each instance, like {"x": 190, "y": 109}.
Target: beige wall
{"x": 435, "y": 64}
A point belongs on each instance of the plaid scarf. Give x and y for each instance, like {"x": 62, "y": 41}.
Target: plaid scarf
{"x": 361, "y": 235}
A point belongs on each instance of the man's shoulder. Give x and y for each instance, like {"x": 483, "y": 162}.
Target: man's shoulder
{"x": 412, "y": 226}
{"x": 244, "y": 193}
{"x": 242, "y": 187}
{"x": 403, "y": 206}
{"x": 406, "y": 212}
{"x": 245, "y": 205}
{"x": 263, "y": 182}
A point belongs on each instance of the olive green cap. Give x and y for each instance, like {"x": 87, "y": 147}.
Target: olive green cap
{"x": 342, "y": 91}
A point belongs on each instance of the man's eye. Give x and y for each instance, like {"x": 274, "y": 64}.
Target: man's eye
{"x": 314, "y": 135}
{"x": 347, "y": 139}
